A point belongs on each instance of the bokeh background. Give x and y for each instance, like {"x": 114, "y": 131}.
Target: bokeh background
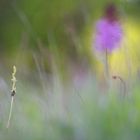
{"x": 62, "y": 93}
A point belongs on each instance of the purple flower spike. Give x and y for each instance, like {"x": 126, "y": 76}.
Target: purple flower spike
{"x": 108, "y": 32}
{"x": 108, "y": 35}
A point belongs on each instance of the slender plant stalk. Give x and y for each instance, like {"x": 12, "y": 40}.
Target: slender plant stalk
{"x": 13, "y": 92}
{"x": 40, "y": 71}
{"x": 123, "y": 84}
{"x": 106, "y": 64}
{"x": 78, "y": 94}
{"x": 107, "y": 73}
{"x": 10, "y": 113}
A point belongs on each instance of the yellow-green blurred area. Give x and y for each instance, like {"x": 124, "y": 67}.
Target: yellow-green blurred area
{"x": 62, "y": 31}
{"x": 62, "y": 93}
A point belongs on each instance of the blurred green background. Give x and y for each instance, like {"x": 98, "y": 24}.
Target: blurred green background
{"x": 61, "y": 89}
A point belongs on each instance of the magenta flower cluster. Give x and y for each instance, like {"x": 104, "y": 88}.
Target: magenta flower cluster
{"x": 108, "y": 35}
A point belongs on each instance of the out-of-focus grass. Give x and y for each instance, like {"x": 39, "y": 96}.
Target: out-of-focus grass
{"x": 49, "y": 38}
{"x": 71, "y": 114}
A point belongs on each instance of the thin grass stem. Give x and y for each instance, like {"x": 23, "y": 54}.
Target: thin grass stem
{"x": 10, "y": 113}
